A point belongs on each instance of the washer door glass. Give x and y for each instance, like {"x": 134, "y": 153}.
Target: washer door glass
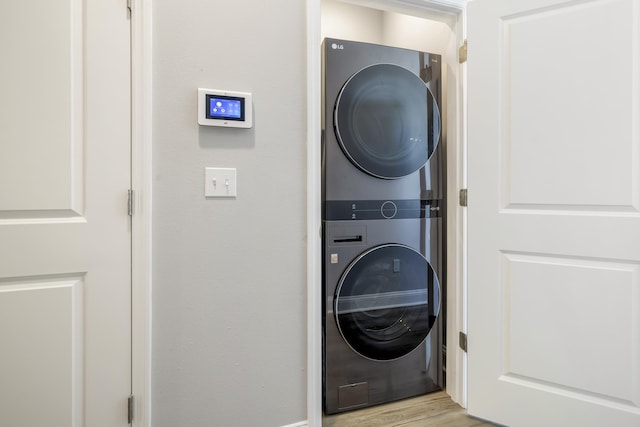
{"x": 387, "y": 121}
{"x": 387, "y": 301}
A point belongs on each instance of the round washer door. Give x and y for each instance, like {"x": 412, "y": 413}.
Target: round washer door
{"x": 387, "y": 301}
{"x": 387, "y": 121}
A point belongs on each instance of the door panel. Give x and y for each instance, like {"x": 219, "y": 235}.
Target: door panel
{"x": 551, "y": 60}
{"x": 42, "y": 351}
{"x": 541, "y": 344}
{"x": 42, "y": 108}
{"x": 554, "y": 212}
{"x": 65, "y": 259}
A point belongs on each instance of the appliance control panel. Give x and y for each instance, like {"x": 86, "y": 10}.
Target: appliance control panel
{"x": 224, "y": 108}
{"x": 344, "y": 210}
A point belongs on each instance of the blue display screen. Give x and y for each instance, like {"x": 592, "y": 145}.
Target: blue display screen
{"x": 225, "y": 107}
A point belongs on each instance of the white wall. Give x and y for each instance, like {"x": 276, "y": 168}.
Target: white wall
{"x": 229, "y": 300}
{"x": 351, "y": 22}
{"x": 359, "y": 23}
{"x": 411, "y": 32}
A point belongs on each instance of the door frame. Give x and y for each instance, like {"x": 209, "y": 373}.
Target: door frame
{"x": 141, "y": 241}
{"x": 452, "y": 13}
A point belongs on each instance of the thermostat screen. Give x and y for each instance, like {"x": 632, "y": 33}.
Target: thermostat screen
{"x": 225, "y": 107}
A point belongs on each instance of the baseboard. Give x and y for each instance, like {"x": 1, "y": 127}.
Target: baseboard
{"x": 300, "y": 424}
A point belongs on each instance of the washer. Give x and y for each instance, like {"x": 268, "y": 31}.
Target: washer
{"x": 382, "y": 190}
{"x": 381, "y": 123}
{"x": 382, "y": 300}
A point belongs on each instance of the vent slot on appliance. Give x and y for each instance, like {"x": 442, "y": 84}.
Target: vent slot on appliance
{"x": 347, "y": 239}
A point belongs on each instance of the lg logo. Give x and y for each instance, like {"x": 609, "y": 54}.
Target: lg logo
{"x": 337, "y": 46}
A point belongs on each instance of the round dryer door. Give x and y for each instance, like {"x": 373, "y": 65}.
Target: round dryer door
{"x": 387, "y": 121}
{"x": 387, "y": 301}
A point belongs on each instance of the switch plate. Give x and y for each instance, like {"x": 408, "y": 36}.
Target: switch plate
{"x": 220, "y": 182}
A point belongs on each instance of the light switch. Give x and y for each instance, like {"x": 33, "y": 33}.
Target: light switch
{"x": 220, "y": 182}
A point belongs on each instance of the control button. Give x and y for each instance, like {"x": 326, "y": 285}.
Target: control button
{"x": 389, "y": 209}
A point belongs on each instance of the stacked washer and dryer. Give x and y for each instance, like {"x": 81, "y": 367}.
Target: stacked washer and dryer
{"x": 383, "y": 199}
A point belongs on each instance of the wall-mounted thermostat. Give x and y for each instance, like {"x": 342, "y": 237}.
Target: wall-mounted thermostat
{"x": 224, "y": 108}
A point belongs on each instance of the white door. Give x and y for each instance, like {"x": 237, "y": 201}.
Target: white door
{"x": 65, "y": 261}
{"x": 554, "y": 212}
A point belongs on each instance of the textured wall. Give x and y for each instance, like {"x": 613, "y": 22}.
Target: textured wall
{"x": 229, "y": 300}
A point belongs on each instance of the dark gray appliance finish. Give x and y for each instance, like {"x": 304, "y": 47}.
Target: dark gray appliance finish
{"x": 382, "y": 210}
{"x": 381, "y": 120}
{"x": 381, "y": 306}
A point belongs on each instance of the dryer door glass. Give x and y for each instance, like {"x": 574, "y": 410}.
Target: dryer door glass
{"x": 387, "y": 301}
{"x": 387, "y": 121}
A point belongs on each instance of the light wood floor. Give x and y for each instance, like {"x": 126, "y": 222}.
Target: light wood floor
{"x": 431, "y": 410}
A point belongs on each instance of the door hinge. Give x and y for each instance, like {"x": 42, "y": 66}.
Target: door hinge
{"x": 130, "y": 200}
{"x": 130, "y": 408}
{"x": 462, "y": 53}
{"x": 462, "y": 341}
{"x": 463, "y": 197}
